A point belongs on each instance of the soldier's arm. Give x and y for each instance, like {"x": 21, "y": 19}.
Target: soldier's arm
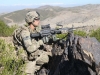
{"x": 31, "y": 47}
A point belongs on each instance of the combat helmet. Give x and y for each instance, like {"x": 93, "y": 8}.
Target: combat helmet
{"x": 31, "y": 16}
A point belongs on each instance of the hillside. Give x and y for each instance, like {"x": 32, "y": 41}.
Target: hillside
{"x": 17, "y": 17}
{"x": 81, "y": 15}
{"x": 87, "y": 15}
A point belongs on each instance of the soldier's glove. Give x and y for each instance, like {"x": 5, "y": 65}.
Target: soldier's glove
{"x": 41, "y": 42}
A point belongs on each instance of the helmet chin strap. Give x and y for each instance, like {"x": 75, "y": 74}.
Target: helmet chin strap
{"x": 33, "y": 24}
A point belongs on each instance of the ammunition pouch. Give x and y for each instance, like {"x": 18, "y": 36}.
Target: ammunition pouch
{"x": 34, "y": 55}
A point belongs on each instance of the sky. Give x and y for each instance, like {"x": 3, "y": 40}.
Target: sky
{"x": 13, "y": 5}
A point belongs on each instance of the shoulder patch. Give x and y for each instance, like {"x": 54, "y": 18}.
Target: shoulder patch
{"x": 26, "y": 38}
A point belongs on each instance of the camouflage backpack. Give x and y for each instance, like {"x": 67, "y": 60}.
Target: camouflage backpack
{"x": 19, "y": 46}
{"x": 17, "y": 39}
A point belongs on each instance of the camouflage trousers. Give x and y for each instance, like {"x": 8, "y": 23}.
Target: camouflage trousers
{"x": 32, "y": 66}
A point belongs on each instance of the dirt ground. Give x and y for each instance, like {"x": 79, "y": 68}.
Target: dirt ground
{"x": 7, "y": 39}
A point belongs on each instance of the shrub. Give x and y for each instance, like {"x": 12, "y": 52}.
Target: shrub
{"x": 8, "y": 60}
{"x": 96, "y": 34}
{"x": 6, "y": 30}
{"x": 77, "y": 32}
{"x": 60, "y": 36}
{"x": 80, "y": 33}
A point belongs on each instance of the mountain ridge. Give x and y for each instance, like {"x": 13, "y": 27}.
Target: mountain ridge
{"x": 67, "y": 16}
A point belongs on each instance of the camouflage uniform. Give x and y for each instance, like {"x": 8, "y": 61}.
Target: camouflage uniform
{"x": 36, "y": 57}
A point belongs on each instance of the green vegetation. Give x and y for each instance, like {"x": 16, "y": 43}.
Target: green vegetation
{"x": 10, "y": 64}
{"x": 6, "y": 30}
{"x": 76, "y": 32}
{"x": 95, "y": 34}
{"x": 80, "y": 33}
{"x": 61, "y": 36}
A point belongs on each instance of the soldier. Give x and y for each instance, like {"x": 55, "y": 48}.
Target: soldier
{"x": 36, "y": 57}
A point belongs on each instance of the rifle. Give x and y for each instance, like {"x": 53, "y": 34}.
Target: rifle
{"x": 47, "y": 33}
